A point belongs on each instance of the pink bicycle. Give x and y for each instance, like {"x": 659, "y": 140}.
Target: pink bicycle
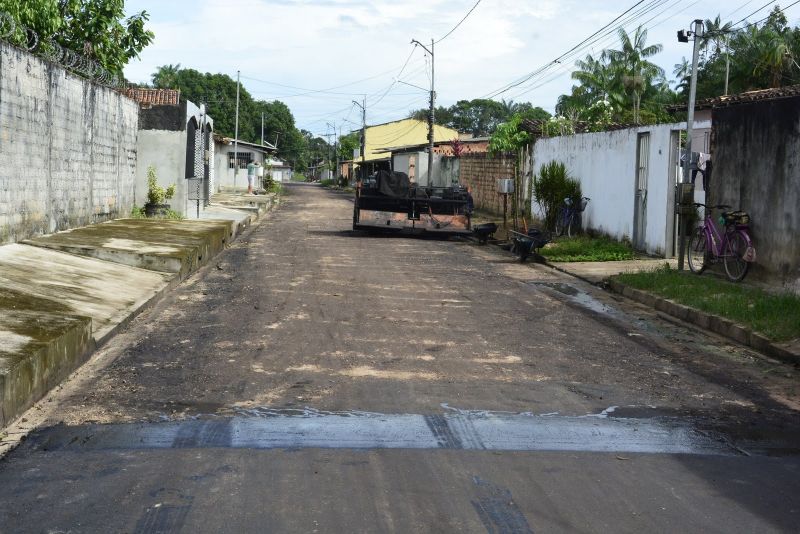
{"x": 734, "y": 247}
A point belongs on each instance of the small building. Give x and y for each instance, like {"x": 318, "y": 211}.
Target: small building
{"x": 231, "y": 160}
{"x": 174, "y": 138}
{"x": 405, "y": 132}
{"x": 280, "y": 170}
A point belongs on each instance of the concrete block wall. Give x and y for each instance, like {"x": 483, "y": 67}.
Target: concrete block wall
{"x": 756, "y": 154}
{"x": 68, "y": 148}
{"x": 481, "y": 171}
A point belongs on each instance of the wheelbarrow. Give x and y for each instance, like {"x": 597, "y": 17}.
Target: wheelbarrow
{"x": 524, "y": 245}
{"x": 484, "y": 231}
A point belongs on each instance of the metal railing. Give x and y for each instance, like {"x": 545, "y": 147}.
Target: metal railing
{"x": 50, "y": 50}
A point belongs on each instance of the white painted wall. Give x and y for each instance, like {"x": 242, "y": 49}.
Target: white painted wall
{"x": 223, "y": 176}
{"x": 605, "y": 164}
{"x": 166, "y": 151}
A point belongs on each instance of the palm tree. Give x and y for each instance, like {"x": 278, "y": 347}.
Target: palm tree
{"x": 630, "y": 65}
{"x": 682, "y": 72}
{"x": 166, "y": 77}
{"x": 718, "y": 34}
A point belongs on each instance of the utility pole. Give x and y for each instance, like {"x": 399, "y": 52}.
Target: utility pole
{"x": 236, "y": 136}
{"x": 430, "y": 112}
{"x": 335, "y": 150}
{"x": 363, "y": 135}
{"x": 262, "y": 128}
{"x": 683, "y": 37}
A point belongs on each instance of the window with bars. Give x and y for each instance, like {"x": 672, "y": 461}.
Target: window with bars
{"x": 243, "y": 157}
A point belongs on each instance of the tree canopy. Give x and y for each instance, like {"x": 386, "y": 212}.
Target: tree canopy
{"x": 97, "y": 29}
{"x": 759, "y": 56}
{"x": 481, "y": 117}
{"x": 218, "y": 93}
{"x": 620, "y": 85}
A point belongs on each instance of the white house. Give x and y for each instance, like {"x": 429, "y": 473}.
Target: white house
{"x": 174, "y": 137}
{"x": 227, "y": 151}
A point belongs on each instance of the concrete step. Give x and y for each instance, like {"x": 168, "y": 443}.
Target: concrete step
{"x": 169, "y": 246}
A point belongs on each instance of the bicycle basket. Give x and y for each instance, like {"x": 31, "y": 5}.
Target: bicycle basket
{"x": 736, "y": 217}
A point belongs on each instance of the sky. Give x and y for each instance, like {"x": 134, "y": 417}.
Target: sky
{"x": 317, "y": 56}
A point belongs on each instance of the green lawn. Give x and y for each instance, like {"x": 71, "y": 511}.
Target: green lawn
{"x": 298, "y": 177}
{"x": 776, "y": 316}
{"x": 584, "y": 248}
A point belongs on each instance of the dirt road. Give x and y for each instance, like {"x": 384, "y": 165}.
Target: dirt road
{"x": 316, "y": 380}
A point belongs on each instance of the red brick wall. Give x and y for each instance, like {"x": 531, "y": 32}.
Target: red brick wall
{"x": 481, "y": 171}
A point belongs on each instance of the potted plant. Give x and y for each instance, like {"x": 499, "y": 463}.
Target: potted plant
{"x": 157, "y": 195}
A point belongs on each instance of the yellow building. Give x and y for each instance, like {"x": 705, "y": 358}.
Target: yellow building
{"x": 404, "y": 132}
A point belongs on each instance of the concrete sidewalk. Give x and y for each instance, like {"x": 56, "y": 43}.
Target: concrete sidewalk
{"x": 64, "y": 294}
{"x": 596, "y": 272}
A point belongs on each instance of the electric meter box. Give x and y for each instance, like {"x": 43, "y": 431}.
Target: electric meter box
{"x": 505, "y": 186}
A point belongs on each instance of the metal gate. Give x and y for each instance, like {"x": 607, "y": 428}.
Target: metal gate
{"x": 640, "y": 202}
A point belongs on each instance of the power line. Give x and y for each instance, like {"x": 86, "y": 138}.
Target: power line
{"x": 558, "y": 60}
{"x": 459, "y": 23}
{"x": 753, "y": 13}
{"x": 602, "y": 40}
{"x": 765, "y": 18}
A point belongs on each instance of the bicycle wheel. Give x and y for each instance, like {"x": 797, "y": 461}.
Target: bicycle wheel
{"x": 697, "y": 252}
{"x": 733, "y": 259}
{"x": 559, "y": 229}
{"x": 574, "y": 227}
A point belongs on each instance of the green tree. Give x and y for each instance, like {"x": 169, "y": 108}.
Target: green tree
{"x": 631, "y": 68}
{"x": 218, "y": 93}
{"x": 347, "y": 144}
{"x": 481, "y": 117}
{"x": 166, "y": 77}
{"x": 760, "y": 56}
{"x": 98, "y": 29}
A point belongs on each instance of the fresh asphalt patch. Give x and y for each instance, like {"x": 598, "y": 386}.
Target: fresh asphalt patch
{"x": 458, "y": 430}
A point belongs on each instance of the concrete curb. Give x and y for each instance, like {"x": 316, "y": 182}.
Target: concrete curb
{"x": 719, "y": 325}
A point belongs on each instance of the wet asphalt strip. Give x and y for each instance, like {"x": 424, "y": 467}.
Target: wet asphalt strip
{"x": 490, "y": 431}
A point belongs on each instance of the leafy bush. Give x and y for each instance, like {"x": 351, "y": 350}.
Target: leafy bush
{"x": 584, "y": 248}
{"x": 551, "y": 187}
{"x": 155, "y": 193}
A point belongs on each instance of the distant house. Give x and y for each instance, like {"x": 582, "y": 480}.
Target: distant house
{"x": 281, "y": 171}
{"x": 406, "y": 132}
{"x": 231, "y": 159}
{"x": 175, "y": 138}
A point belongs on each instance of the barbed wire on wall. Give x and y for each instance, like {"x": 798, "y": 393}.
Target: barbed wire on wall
{"x": 50, "y": 50}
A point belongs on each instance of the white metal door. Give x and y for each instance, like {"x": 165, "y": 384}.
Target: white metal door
{"x": 640, "y": 207}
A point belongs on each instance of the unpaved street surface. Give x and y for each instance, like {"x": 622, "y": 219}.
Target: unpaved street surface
{"x": 312, "y": 379}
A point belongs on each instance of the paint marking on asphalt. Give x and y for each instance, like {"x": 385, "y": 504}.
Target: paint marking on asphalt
{"x": 459, "y": 430}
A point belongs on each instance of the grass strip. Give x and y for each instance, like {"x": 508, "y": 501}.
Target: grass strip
{"x": 585, "y": 248}
{"x": 776, "y": 316}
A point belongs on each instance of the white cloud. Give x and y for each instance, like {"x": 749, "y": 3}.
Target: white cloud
{"x": 328, "y": 43}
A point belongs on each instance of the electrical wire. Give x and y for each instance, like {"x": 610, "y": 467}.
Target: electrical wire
{"x": 754, "y": 12}
{"x": 604, "y": 34}
{"x": 459, "y": 23}
{"x": 558, "y": 60}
